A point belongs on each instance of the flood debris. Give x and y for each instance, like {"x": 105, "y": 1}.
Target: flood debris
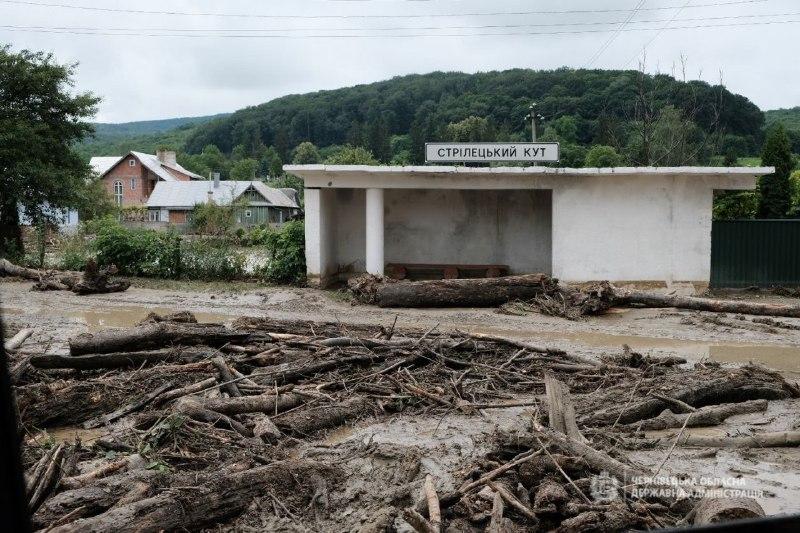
{"x": 543, "y": 294}
{"x": 226, "y": 427}
{"x": 93, "y": 279}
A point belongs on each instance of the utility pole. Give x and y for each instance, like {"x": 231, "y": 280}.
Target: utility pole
{"x": 533, "y": 117}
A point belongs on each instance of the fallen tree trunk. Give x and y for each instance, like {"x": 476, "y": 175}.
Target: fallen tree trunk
{"x": 262, "y": 403}
{"x": 481, "y": 292}
{"x": 780, "y": 439}
{"x": 117, "y": 360}
{"x": 714, "y": 510}
{"x": 711, "y": 415}
{"x": 16, "y": 341}
{"x": 191, "y": 509}
{"x": 646, "y": 299}
{"x": 151, "y": 336}
{"x": 309, "y": 421}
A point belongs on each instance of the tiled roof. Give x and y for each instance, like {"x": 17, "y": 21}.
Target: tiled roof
{"x": 187, "y": 194}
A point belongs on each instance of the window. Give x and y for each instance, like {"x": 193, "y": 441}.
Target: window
{"x": 248, "y": 214}
{"x": 153, "y": 215}
{"x": 131, "y": 162}
{"x": 118, "y": 192}
{"x": 133, "y": 184}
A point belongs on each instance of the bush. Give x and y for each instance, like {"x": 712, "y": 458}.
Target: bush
{"x": 208, "y": 260}
{"x": 213, "y": 219}
{"x": 602, "y": 156}
{"x": 75, "y": 251}
{"x": 286, "y": 247}
{"x": 139, "y": 252}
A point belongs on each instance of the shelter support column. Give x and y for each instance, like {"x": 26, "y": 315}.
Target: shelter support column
{"x": 319, "y": 237}
{"x": 374, "y": 227}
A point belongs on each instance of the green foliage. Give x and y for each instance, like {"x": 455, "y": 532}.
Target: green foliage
{"x": 244, "y": 170}
{"x": 271, "y": 164}
{"x": 602, "y": 156}
{"x": 41, "y": 119}
{"x": 210, "y": 260}
{"x": 352, "y": 155}
{"x": 138, "y": 252}
{"x": 211, "y": 159}
{"x": 306, "y": 154}
{"x": 75, "y": 251}
{"x": 735, "y": 205}
{"x": 471, "y": 129}
{"x": 286, "y": 247}
{"x": 213, "y": 219}
{"x": 790, "y": 119}
{"x": 775, "y": 189}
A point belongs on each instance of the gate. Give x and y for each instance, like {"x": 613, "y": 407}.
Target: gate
{"x": 755, "y": 252}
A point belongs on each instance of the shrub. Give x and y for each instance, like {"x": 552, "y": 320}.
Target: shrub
{"x": 286, "y": 247}
{"x": 213, "y": 219}
{"x": 139, "y": 252}
{"x": 75, "y": 251}
{"x": 208, "y": 260}
{"x": 603, "y": 156}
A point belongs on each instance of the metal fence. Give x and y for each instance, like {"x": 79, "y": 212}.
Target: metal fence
{"x": 755, "y": 252}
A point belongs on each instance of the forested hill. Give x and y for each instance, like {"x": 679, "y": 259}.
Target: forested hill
{"x": 580, "y": 107}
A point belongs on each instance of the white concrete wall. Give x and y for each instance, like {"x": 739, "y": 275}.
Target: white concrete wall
{"x": 646, "y": 228}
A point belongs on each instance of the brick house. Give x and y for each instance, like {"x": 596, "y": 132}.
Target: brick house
{"x": 131, "y": 179}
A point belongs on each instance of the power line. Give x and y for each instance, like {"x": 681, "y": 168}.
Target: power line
{"x": 660, "y": 31}
{"x": 401, "y": 28}
{"x": 360, "y": 16}
{"x": 614, "y": 35}
{"x": 384, "y": 36}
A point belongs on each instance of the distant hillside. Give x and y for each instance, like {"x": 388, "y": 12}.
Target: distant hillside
{"x": 790, "y": 118}
{"x": 145, "y": 136}
{"x": 601, "y": 106}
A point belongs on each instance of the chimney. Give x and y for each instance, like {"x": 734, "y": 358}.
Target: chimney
{"x": 167, "y": 157}
{"x": 215, "y": 177}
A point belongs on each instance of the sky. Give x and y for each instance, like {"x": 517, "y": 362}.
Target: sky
{"x": 151, "y": 59}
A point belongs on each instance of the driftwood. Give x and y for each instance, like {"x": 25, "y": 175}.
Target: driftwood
{"x": 779, "y": 439}
{"x": 153, "y": 336}
{"x": 16, "y": 341}
{"x": 646, "y": 299}
{"x": 560, "y": 409}
{"x": 127, "y": 409}
{"x": 97, "y": 280}
{"x": 480, "y": 292}
{"x": 714, "y": 510}
{"x": 117, "y": 360}
{"x": 225, "y": 377}
{"x": 93, "y": 280}
{"x": 262, "y": 403}
{"x": 309, "y": 421}
{"x": 191, "y": 509}
{"x": 711, "y": 415}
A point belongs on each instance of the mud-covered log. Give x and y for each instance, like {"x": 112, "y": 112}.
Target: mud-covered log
{"x": 261, "y": 403}
{"x": 188, "y": 508}
{"x": 647, "y": 299}
{"x": 778, "y": 439}
{"x": 711, "y": 415}
{"x": 482, "y": 292}
{"x": 153, "y": 336}
{"x": 16, "y": 341}
{"x": 309, "y": 421}
{"x": 118, "y": 359}
{"x": 715, "y": 510}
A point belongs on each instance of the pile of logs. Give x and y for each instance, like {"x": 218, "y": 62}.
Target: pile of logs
{"x": 93, "y": 279}
{"x": 199, "y": 421}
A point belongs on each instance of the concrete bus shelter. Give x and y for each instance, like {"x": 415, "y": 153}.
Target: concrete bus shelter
{"x": 641, "y": 224}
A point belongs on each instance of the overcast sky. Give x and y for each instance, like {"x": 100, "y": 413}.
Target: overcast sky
{"x": 208, "y": 56}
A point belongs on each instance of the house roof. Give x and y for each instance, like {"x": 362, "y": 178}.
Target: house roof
{"x": 160, "y": 168}
{"x": 103, "y": 164}
{"x": 187, "y": 194}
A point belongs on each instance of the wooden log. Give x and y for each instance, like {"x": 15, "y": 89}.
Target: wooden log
{"x": 514, "y": 501}
{"x": 646, "y": 299}
{"x": 82, "y": 480}
{"x": 193, "y": 409}
{"x": 116, "y": 360}
{"x": 432, "y": 498}
{"x": 223, "y": 495}
{"x": 225, "y": 377}
{"x": 715, "y": 510}
{"x": 481, "y": 292}
{"x": 711, "y": 415}
{"x": 561, "y": 410}
{"x": 309, "y": 421}
{"x": 498, "y": 524}
{"x": 779, "y": 439}
{"x": 418, "y": 522}
{"x": 261, "y": 403}
{"x": 185, "y": 391}
{"x": 48, "y": 480}
{"x": 154, "y": 336}
{"x": 16, "y": 341}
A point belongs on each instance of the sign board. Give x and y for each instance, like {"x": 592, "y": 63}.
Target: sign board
{"x": 491, "y": 152}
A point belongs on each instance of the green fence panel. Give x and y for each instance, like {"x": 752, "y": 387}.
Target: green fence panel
{"x": 755, "y": 252}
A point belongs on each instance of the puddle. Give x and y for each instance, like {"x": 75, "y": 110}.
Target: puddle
{"x": 123, "y": 317}
{"x": 785, "y": 358}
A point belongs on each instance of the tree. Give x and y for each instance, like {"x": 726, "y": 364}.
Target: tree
{"x": 471, "y": 129}
{"x": 41, "y": 119}
{"x": 271, "y": 164}
{"x": 306, "y": 154}
{"x": 244, "y": 170}
{"x": 352, "y": 155}
{"x": 602, "y": 156}
{"x": 377, "y": 137}
{"x": 775, "y": 189}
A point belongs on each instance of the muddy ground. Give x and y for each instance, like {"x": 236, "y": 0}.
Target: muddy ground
{"x": 442, "y": 445}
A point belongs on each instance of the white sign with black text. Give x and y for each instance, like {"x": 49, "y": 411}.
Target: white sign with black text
{"x": 491, "y": 152}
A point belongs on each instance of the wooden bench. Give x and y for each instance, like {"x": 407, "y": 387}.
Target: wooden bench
{"x": 420, "y": 271}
